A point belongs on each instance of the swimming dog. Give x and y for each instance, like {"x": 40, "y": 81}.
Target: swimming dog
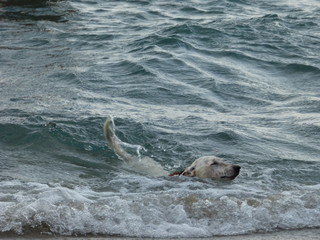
{"x": 204, "y": 167}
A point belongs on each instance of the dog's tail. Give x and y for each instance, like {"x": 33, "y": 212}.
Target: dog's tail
{"x": 113, "y": 142}
{"x": 141, "y": 164}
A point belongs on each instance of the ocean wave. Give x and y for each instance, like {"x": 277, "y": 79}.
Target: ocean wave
{"x": 300, "y": 68}
{"x": 36, "y": 133}
{"x": 129, "y": 68}
{"x": 185, "y": 213}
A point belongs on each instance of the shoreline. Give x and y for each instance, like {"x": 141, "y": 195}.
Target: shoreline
{"x": 301, "y": 234}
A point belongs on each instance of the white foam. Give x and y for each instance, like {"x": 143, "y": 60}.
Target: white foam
{"x": 178, "y": 212}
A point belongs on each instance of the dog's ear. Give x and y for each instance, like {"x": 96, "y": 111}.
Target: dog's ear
{"x": 190, "y": 172}
{"x": 177, "y": 173}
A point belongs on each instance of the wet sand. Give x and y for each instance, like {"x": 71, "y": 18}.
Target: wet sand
{"x": 304, "y": 234}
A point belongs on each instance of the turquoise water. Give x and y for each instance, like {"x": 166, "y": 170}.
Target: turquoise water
{"x": 182, "y": 79}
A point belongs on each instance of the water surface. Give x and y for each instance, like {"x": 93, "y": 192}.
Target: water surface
{"x": 183, "y": 79}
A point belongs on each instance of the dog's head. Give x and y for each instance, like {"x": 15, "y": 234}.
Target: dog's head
{"x": 212, "y": 167}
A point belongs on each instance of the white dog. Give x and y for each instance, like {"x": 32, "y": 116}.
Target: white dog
{"x": 203, "y": 167}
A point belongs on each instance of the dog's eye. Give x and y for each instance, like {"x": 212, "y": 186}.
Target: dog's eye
{"x": 214, "y": 163}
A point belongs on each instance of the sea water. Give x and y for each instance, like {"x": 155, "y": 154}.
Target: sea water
{"x": 237, "y": 79}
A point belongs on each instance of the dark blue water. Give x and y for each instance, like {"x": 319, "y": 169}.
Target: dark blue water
{"x": 182, "y": 79}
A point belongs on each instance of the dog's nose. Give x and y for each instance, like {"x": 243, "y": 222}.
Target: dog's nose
{"x": 237, "y": 168}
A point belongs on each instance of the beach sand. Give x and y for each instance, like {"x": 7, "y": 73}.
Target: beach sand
{"x": 304, "y": 234}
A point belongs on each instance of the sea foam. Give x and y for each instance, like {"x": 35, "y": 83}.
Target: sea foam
{"x": 177, "y": 213}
